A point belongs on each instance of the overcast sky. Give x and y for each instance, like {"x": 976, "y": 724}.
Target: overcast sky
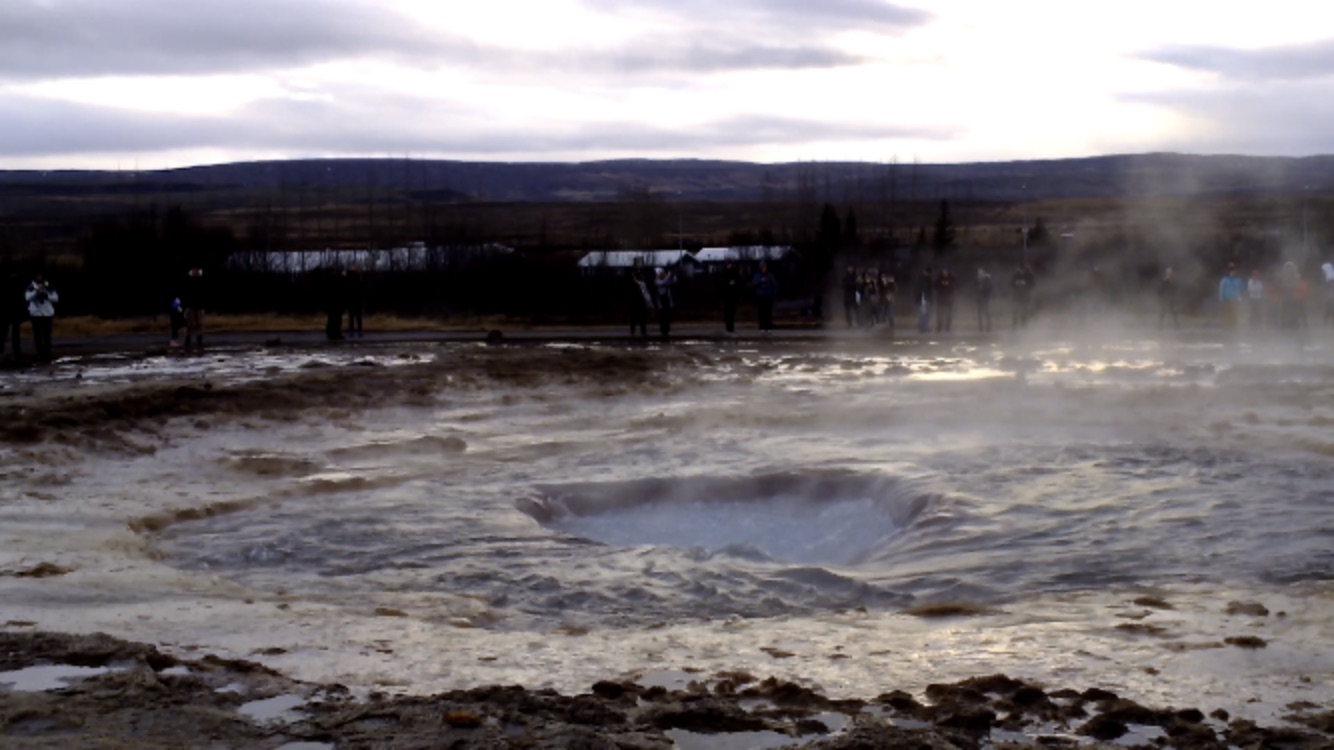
{"x": 152, "y": 84}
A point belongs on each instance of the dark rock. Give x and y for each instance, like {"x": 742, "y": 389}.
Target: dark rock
{"x": 786, "y": 694}
{"x": 1029, "y": 695}
{"x": 1098, "y": 694}
{"x": 967, "y": 718}
{"x": 899, "y": 701}
{"x": 997, "y": 683}
{"x": 1254, "y": 609}
{"x": 1103, "y": 727}
{"x": 588, "y": 710}
{"x": 1190, "y": 715}
{"x": 1130, "y": 712}
{"x": 811, "y": 726}
{"x": 615, "y": 690}
{"x": 706, "y": 716}
{"x": 1246, "y": 641}
{"x": 961, "y": 693}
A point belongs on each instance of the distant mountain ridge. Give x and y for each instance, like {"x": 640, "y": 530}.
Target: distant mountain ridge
{"x": 702, "y": 180}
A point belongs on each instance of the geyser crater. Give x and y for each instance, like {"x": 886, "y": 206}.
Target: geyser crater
{"x": 813, "y": 518}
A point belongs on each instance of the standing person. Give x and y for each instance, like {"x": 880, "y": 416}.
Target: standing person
{"x": 729, "y": 290}
{"x": 640, "y": 300}
{"x": 1231, "y": 291}
{"x": 765, "y": 287}
{"x": 870, "y": 300}
{"x": 41, "y": 299}
{"x": 887, "y": 289}
{"x": 985, "y": 287}
{"x": 850, "y": 296}
{"x": 192, "y": 300}
{"x": 13, "y": 311}
{"x": 334, "y": 299}
{"x": 1295, "y": 290}
{"x": 355, "y": 292}
{"x": 922, "y": 297}
{"x": 1021, "y": 285}
{"x": 1167, "y": 299}
{"x": 1255, "y": 295}
{"x": 666, "y": 286}
{"x": 1328, "y": 270}
{"x": 944, "y": 301}
{"x": 176, "y": 315}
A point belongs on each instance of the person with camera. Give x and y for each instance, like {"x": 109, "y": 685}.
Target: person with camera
{"x": 41, "y": 310}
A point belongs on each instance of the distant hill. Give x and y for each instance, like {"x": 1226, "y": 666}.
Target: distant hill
{"x": 696, "y": 180}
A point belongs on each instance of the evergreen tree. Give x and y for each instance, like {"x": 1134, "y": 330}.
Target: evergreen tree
{"x": 851, "y": 235}
{"x": 829, "y": 236}
{"x": 942, "y": 239}
{"x": 1038, "y": 236}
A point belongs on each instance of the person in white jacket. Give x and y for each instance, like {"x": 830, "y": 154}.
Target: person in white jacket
{"x": 42, "y": 301}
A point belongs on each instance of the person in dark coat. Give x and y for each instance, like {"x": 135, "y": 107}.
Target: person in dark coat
{"x": 1021, "y": 285}
{"x": 765, "y": 287}
{"x": 13, "y": 311}
{"x": 335, "y": 297}
{"x": 41, "y": 299}
{"x": 193, "y": 300}
{"x": 729, "y": 291}
{"x": 944, "y": 301}
{"x": 985, "y": 287}
{"x": 851, "y": 299}
{"x": 639, "y": 298}
{"x": 666, "y": 289}
{"x": 355, "y": 293}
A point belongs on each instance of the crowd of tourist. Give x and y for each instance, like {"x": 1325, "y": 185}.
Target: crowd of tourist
{"x": 870, "y": 299}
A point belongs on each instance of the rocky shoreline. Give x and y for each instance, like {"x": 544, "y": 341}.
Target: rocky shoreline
{"x": 132, "y": 695}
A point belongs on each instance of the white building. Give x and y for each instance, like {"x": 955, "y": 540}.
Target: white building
{"x": 746, "y": 255}
{"x": 621, "y": 261}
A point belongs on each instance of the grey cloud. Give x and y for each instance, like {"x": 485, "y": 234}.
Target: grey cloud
{"x": 78, "y": 38}
{"x": 674, "y": 58}
{"x": 796, "y": 15}
{"x": 45, "y": 39}
{"x": 730, "y": 133}
{"x": 40, "y": 127}
{"x": 43, "y": 127}
{"x": 1299, "y": 61}
{"x": 1270, "y": 119}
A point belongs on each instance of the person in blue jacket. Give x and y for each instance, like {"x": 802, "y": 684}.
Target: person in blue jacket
{"x": 765, "y": 287}
{"x": 1231, "y": 293}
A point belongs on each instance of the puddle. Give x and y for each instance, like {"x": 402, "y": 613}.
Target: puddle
{"x": 50, "y": 677}
{"x": 730, "y": 741}
{"x": 284, "y": 708}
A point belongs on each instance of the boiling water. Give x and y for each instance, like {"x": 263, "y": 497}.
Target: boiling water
{"x": 1098, "y": 515}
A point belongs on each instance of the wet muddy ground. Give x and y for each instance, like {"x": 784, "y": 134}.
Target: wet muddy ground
{"x": 135, "y": 696}
{"x": 80, "y": 690}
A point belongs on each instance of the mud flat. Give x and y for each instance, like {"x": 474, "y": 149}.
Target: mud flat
{"x": 399, "y": 547}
